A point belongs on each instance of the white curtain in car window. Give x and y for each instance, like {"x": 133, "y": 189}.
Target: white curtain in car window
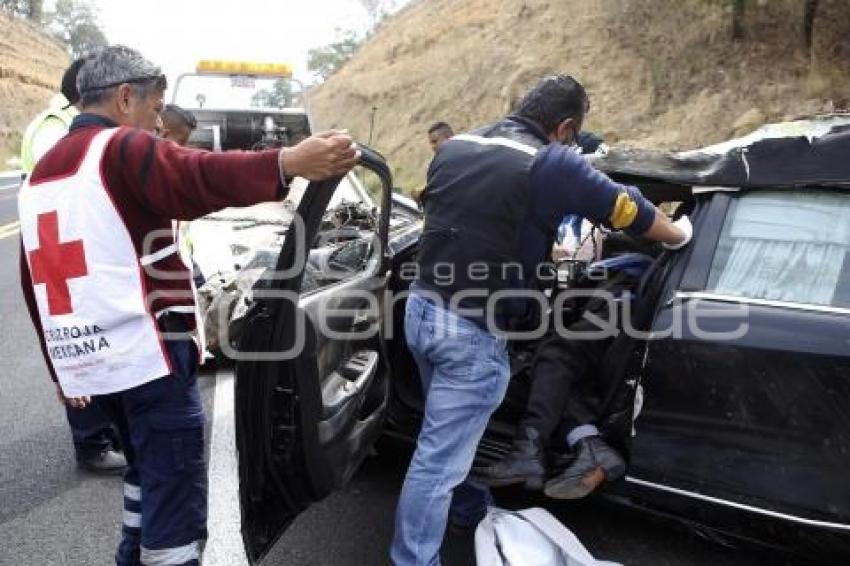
{"x": 787, "y": 246}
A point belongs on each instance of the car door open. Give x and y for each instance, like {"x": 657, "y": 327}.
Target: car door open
{"x": 311, "y": 379}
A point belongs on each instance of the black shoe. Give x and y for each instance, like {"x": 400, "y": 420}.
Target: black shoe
{"x": 595, "y": 462}
{"x": 522, "y": 465}
{"x": 108, "y": 462}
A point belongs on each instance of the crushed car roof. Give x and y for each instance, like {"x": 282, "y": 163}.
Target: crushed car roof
{"x": 790, "y": 154}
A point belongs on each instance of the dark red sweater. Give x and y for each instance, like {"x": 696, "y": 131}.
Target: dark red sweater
{"x": 152, "y": 182}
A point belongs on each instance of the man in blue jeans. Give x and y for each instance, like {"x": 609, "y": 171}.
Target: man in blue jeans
{"x": 493, "y": 203}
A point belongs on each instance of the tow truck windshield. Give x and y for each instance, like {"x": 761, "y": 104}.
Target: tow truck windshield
{"x": 237, "y": 92}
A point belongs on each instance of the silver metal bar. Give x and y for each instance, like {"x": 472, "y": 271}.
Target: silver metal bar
{"x": 741, "y": 506}
{"x": 760, "y": 302}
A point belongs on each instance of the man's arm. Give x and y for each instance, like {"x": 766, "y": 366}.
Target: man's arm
{"x": 594, "y": 195}
{"x": 184, "y": 183}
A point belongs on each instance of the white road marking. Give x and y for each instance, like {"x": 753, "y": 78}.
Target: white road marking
{"x": 10, "y": 229}
{"x": 10, "y": 181}
{"x": 224, "y": 545}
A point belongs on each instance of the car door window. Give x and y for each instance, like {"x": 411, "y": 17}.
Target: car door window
{"x": 346, "y": 245}
{"x": 785, "y": 246}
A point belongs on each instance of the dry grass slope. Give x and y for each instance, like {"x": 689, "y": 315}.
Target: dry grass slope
{"x": 660, "y": 73}
{"x": 31, "y": 66}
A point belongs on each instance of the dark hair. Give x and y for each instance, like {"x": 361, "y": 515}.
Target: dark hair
{"x": 181, "y": 114}
{"x": 440, "y": 126}
{"x": 69, "y": 81}
{"x": 553, "y": 100}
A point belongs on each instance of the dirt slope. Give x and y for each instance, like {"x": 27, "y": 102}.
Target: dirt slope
{"x": 31, "y": 66}
{"x": 660, "y": 73}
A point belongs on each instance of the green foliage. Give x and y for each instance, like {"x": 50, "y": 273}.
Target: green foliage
{"x": 378, "y": 9}
{"x": 31, "y": 9}
{"x": 74, "y": 23}
{"x": 325, "y": 61}
{"x": 279, "y": 96}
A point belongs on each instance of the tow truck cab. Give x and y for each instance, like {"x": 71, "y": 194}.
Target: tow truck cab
{"x": 243, "y": 105}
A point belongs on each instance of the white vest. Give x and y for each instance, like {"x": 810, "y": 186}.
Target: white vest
{"x": 88, "y": 283}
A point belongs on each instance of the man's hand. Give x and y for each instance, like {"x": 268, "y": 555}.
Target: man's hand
{"x": 75, "y": 402}
{"x": 319, "y": 157}
{"x": 672, "y": 235}
{"x": 684, "y": 226}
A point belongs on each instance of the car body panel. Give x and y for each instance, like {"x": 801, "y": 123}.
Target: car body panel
{"x": 748, "y": 436}
{"x": 305, "y": 423}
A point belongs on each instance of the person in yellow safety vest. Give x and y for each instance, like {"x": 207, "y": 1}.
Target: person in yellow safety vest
{"x": 95, "y": 441}
{"x": 52, "y": 124}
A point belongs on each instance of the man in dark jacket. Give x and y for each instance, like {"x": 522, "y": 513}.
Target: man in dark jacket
{"x": 493, "y": 203}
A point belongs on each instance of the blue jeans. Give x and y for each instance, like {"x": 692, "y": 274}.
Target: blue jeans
{"x": 465, "y": 373}
{"x": 165, "y": 487}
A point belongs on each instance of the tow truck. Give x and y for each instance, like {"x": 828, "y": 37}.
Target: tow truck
{"x": 243, "y": 105}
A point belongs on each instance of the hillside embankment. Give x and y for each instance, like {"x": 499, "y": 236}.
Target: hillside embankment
{"x": 660, "y": 73}
{"x": 31, "y": 66}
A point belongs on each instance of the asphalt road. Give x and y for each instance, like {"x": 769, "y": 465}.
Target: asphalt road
{"x": 52, "y": 513}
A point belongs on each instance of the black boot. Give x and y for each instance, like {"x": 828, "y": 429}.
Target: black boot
{"x": 522, "y": 465}
{"x": 595, "y": 462}
{"x": 108, "y": 462}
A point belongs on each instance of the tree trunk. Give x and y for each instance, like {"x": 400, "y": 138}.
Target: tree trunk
{"x": 738, "y": 10}
{"x": 810, "y": 8}
{"x": 35, "y": 11}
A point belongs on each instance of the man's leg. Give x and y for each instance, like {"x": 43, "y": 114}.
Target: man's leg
{"x": 93, "y": 435}
{"x": 468, "y": 381}
{"x": 563, "y": 374}
{"x": 131, "y": 531}
{"x": 167, "y": 434}
{"x": 565, "y": 384}
{"x": 591, "y": 461}
{"x": 558, "y": 368}
{"x": 470, "y": 499}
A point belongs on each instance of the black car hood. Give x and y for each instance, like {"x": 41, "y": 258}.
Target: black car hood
{"x": 810, "y": 152}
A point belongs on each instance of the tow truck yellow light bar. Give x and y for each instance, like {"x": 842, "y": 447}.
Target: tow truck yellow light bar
{"x": 209, "y": 66}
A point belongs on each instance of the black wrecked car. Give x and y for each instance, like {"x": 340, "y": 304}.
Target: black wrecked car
{"x": 745, "y": 437}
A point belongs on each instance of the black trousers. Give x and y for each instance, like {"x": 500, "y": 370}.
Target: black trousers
{"x": 566, "y": 387}
{"x": 91, "y": 430}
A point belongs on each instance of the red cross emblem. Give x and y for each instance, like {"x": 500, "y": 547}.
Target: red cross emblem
{"x": 54, "y": 263}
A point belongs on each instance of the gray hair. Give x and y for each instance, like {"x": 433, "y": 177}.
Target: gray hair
{"x": 112, "y": 66}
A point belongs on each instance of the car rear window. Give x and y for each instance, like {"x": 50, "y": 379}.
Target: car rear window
{"x": 786, "y": 246}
